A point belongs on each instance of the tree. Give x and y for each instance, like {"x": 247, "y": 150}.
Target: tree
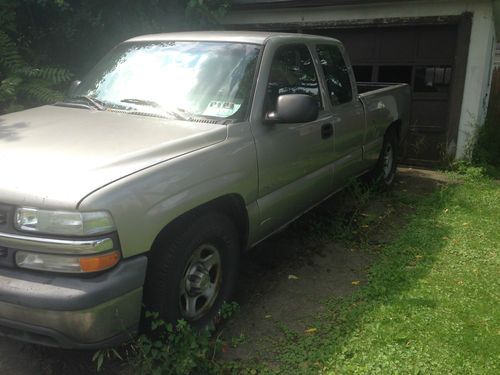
{"x": 42, "y": 41}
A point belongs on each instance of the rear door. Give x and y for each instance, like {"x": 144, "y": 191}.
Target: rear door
{"x": 294, "y": 160}
{"x": 348, "y": 115}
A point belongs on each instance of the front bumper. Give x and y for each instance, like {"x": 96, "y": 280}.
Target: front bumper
{"x": 72, "y": 312}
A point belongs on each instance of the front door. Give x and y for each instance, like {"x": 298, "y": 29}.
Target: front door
{"x": 294, "y": 160}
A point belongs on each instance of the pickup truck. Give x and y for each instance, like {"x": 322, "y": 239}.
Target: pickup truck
{"x": 175, "y": 154}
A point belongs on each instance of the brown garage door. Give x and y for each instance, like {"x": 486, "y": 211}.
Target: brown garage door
{"x": 422, "y": 56}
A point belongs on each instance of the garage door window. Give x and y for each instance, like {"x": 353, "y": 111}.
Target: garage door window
{"x": 395, "y": 73}
{"x": 336, "y": 74}
{"x": 432, "y": 79}
{"x": 363, "y": 73}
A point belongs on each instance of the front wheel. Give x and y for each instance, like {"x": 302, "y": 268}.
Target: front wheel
{"x": 194, "y": 270}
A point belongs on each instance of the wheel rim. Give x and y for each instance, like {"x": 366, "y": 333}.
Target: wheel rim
{"x": 388, "y": 162}
{"x": 200, "y": 284}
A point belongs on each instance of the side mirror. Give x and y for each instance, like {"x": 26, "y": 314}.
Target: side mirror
{"x": 293, "y": 108}
{"x": 72, "y": 88}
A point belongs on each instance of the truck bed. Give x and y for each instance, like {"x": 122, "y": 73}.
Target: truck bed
{"x": 366, "y": 87}
{"x": 384, "y": 103}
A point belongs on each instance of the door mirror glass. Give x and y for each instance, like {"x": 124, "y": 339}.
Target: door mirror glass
{"x": 293, "y": 108}
{"x": 72, "y": 88}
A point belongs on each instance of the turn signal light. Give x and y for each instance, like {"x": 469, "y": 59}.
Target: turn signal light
{"x": 100, "y": 262}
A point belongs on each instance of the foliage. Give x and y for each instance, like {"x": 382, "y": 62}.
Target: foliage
{"x": 203, "y": 14}
{"x": 166, "y": 349}
{"x": 21, "y": 82}
{"x": 486, "y": 151}
{"x": 430, "y": 304}
{"x": 42, "y": 41}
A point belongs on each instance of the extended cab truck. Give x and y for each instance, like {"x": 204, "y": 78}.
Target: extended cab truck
{"x": 176, "y": 153}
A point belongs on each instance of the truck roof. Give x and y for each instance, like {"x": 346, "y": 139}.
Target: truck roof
{"x": 254, "y": 37}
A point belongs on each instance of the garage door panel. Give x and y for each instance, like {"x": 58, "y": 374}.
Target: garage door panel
{"x": 424, "y": 147}
{"x": 399, "y": 45}
{"x": 429, "y": 113}
{"x": 437, "y": 44}
{"x": 361, "y": 44}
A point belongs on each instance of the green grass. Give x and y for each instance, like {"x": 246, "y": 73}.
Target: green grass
{"x": 431, "y": 302}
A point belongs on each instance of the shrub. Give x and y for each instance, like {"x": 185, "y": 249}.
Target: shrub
{"x": 24, "y": 84}
{"x": 487, "y": 148}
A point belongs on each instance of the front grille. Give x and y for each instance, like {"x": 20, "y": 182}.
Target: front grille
{"x": 3, "y": 217}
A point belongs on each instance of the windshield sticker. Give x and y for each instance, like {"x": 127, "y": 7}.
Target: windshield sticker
{"x": 221, "y": 109}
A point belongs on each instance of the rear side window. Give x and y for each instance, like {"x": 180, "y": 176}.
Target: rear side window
{"x": 292, "y": 72}
{"x": 336, "y": 74}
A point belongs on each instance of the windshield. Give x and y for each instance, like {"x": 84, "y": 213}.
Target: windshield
{"x": 210, "y": 79}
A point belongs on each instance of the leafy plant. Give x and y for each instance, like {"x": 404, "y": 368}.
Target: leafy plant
{"x": 206, "y": 13}
{"x": 169, "y": 349}
{"x": 40, "y": 39}
{"x": 484, "y": 150}
{"x": 23, "y": 84}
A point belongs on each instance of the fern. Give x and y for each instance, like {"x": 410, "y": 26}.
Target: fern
{"x": 9, "y": 54}
{"x": 40, "y": 92}
{"x": 24, "y": 84}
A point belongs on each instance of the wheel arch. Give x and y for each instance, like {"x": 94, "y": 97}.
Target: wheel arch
{"x": 231, "y": 205}
{"x": 396, "y": 127}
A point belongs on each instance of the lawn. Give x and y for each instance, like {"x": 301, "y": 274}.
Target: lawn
{"x": 430, "y": 304}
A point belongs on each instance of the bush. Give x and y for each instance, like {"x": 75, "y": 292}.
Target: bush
{"x": 41, "y": 41}
{"x": 487, "y": 148}
{"x": 171, "y": 350}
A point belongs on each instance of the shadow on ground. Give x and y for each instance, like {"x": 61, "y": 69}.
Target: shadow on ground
{"x": 327, "y": 253}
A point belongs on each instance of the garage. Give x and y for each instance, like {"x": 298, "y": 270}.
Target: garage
{"x": 424, "y": 58}
{"x": 443, "y": 50}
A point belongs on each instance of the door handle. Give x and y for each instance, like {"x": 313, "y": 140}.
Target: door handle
{"x": 326, "y": 131}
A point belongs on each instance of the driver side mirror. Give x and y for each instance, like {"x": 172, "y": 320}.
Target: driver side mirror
{"x": 72, "y": 88}
{"x": 293, "y": 108}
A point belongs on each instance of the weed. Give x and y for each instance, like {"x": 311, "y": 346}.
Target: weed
{"x": 168, "y": 349}
{"x": 485, "y": 150}
{"x": 229, "y": 309}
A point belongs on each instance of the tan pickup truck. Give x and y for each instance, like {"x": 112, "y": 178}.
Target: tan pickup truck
{"x": 176, "y": 153}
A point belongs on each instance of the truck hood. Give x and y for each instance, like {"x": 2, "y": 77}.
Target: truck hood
{"x": 54, "y": 156}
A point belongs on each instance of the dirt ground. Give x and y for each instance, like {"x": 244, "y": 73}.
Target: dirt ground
{"x": 282, "y": 284}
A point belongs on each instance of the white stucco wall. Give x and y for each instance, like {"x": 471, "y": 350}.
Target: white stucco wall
{"x": 481, "y": 49}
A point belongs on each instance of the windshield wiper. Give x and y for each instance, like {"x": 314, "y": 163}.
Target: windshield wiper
{"x": 141, "y": 102}
{"x": 177, "y": 113}
{"x": 96, "y": 103}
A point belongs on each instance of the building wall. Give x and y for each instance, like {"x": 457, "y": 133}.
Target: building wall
{"x": 481, "y": 48}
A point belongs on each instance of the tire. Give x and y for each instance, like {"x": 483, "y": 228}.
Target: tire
{"x": 384, "y": 172}
{"x": 193, "y": 270}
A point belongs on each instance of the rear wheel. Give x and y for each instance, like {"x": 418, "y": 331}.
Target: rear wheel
{"x": 194, "y": 270}
{"x": 384, "y": 173}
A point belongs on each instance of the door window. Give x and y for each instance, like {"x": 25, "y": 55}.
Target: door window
{"x": 336, "y": 74}
{"x": 292, "y": 72}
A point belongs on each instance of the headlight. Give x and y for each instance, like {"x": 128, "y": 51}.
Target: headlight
{"x": 65, "y": 223}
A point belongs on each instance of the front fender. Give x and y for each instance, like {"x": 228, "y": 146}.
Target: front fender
{"x": 142, "y": 204}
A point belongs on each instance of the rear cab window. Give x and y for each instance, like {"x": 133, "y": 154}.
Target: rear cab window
{"x": 336, "y": 73}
